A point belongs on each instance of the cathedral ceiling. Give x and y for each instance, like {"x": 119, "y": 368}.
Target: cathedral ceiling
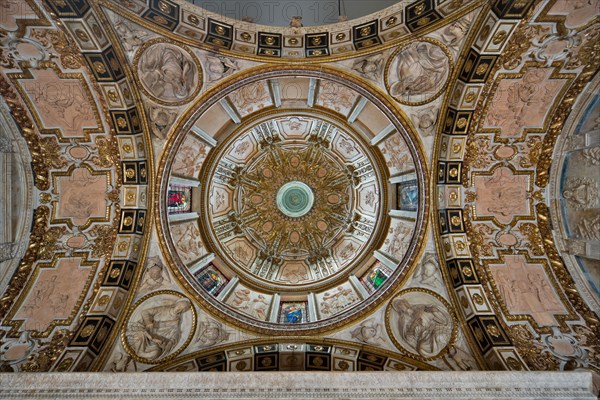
{"x": 416, "y": 189}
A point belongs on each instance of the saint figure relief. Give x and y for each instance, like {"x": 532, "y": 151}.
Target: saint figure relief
{"x": 423, "y": 328}
{"x": 422, "y": 70}
{"x": 156, "y": 331}
{"x": 167, "y": 72}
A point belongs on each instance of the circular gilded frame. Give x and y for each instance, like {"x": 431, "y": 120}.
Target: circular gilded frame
{"x": 451, "y": 314}
{"x": 374, "y": 156}
{"x": 380, "y": 100}
{"x": 181, "y": 348}
{"x": 183, "y": 48}
{"x": 392, "y": 59}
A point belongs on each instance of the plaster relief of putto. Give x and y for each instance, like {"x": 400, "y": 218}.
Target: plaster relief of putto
{"x": 168, "y": 73}
{"x": 161, "y": 325}
{"x": 161, "y": 120}
{"x": 211, "y": 332}
{"x": 427, "y": 274}
{"x": 454, "y": 33}
{"x": 425, "y": 120}
{"x": 156, "y": 276}
{"x": 417, "y": 73}
{"x": 370, "y": 67}
{"x": 121, "y": 362}
{"x": 132, "y": 35}
{"x": 419, "y": 322}
{"x": 219, "y": 67}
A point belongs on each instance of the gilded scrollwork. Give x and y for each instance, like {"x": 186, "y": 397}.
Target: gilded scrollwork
{"x": 70, "y": 57}
{"x": 44, "y": 359}
{"x": 39, "y": 233}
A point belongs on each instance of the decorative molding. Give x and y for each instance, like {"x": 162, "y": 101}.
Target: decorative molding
{"x": 314, "y": 385}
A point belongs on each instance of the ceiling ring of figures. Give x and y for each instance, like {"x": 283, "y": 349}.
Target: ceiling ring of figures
{"x": 235, "y": 247}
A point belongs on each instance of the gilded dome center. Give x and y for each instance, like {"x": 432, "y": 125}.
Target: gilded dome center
{"x": 295, "y": 199}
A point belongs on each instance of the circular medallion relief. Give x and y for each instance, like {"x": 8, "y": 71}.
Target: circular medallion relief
{"x": 418, "y": 72}
{"x": 159, "y": 327}
{"x": 169, "y": 74}
{"x": 293, "y": 219}
{"x": 420, "y": 322}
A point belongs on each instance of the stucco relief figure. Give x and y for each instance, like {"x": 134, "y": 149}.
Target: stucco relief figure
{"x": 241, "y": 298}
{"x": 211, "y": 332}
{"x": 525, "y": 289}
{"x": 523, "y": 102}
{"x": 397, "y": 241}
{"x": 581, "y": 193}
{"x": 155, "y": 276}
{"x": 220, "y": 67}
{"x": 426, "y": 120}
{"x": 259, "y": 307}
{"x": 167, "y": 72}
{"x": 589, "y": 228}
{"x": 419, "y": 72}
{"x": 396, "y": 154}
{"x": 336, "y": 97}
{"x": 576, "y": 12}
{"x": 251, "y": 97}
{"x": 122, "y": 362}
{"x": 371, "y": 67}
{"x": 428, "y": 272}
{"x": 189, "y": 158}
{"x": 337, "y": 300}
{"x": 131, "y": 38}
{"x": 454, "y": 33}
{"x": 251, "y": 303}
{"x": 188, "y": 242}
{"x": 156, "y": 331}
{"x": 502, "y": 195}
{"x": 294, "y": 273}
{"x": 523, "y": 95}
{"x": 296, "y": 22}
{"x": 591, "y": 155}
{"x": 462, "y": 360}
{"x": 421, "y": 324}
{"x": 43, "y": 294}
{"x": 161, "y": 120}
{"x": 369, "y": 331}
{"x": 82, "y": 196}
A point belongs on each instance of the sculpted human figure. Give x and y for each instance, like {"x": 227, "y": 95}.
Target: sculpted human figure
{"x": 167, "y": 73}
{"x": 422, "y": 68}
{"x": 158, "y": 330}
{"x": 155, "y": 275}
{"x": 425, "y": 327}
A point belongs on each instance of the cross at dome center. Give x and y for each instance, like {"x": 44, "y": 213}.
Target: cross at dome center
{"x": 295, "y": 199}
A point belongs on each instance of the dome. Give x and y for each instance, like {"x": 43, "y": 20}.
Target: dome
{"x": 299, "y": 224}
